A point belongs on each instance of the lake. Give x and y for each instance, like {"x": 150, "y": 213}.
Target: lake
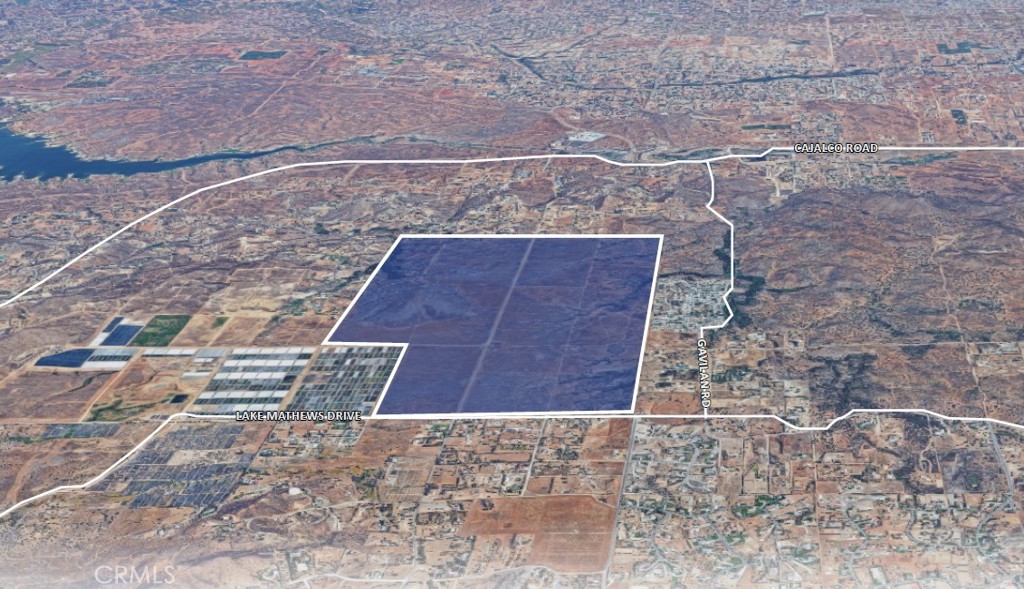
{"x": 31, "y": 157}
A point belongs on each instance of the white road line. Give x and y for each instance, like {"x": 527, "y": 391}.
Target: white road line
{"x": 327, "y": 163}
{"x": 732, "y": 256}
{"x": 505, "y": 416}
{"x": 950, "y": 148}
{"x": 707, "y": 162}
{"x": 112, "y": 467}
{"x": 732, "y": 268}
{"x": 841, "y": 418}
{"x": 642, "y": 416}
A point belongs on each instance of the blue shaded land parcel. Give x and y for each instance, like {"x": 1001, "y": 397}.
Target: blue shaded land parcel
{"x": 120, "y": 335}
{"x": 509, "y": 324}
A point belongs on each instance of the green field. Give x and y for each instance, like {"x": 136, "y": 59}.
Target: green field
{"x": 117, "y": 411}
{"x": 161, "y": 330}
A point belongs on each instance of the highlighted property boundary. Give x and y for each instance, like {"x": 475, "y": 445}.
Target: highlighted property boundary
{"x": 486, "y": 415}
{"x": 898, "y": 411}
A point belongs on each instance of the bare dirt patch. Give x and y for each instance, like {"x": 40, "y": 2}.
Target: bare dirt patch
{"x": 50, "y": 396}
{"x": 571, "y": 534}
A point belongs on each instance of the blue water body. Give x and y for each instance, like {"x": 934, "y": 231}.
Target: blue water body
{"x": 509, "y": 324}
{"x": 31, "y": 157}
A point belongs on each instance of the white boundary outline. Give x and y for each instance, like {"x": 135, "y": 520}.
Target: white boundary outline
{"x": 707, "y": 161}
{"x": 472, "y": 415}
{"x": 327, "y": 340}
{"x": 391, "y": 377}
{"x": 647, "y": 322}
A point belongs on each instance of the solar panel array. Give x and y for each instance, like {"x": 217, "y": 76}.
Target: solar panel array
{"x": 346, "y": 379}
{"x": 67, "y": 359}
{"x": 204, "y": 480}
{"x": 121, "y": 335}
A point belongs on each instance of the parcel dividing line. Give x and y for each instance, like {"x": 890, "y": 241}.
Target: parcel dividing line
{"x": 705, "y": 416}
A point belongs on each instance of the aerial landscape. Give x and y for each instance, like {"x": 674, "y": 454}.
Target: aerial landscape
{"x": 450, "y": 295}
